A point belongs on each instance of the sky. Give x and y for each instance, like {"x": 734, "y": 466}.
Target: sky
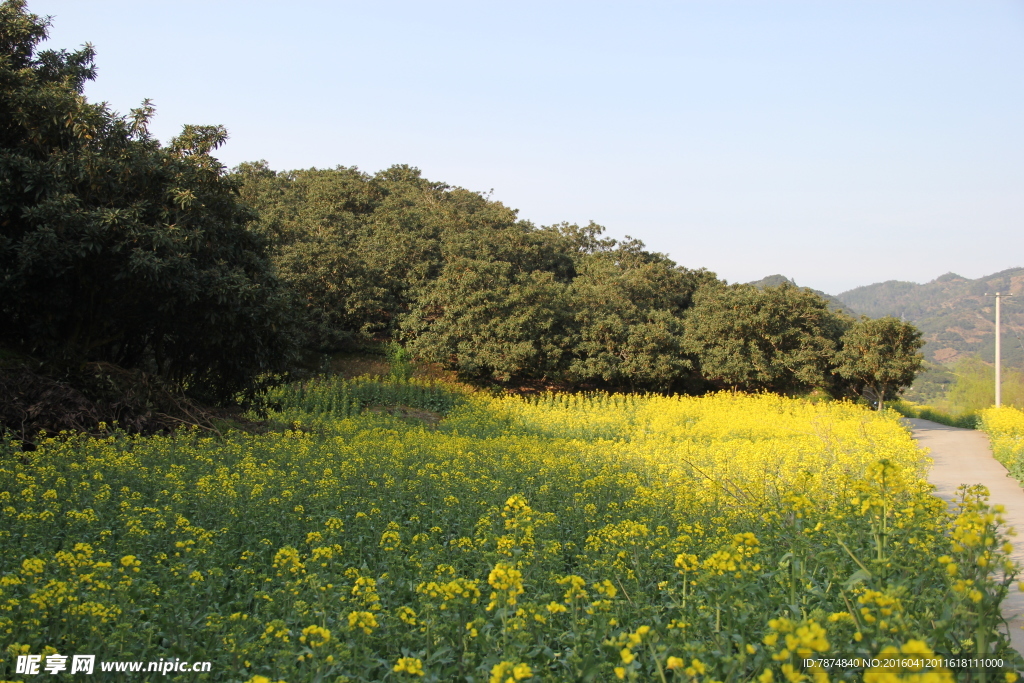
{"x": 839, "y": 142}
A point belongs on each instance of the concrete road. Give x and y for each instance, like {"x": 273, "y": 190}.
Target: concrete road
{"x": 963, "y": 456}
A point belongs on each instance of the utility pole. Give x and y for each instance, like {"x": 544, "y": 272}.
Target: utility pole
{"x": 999, "y": 351}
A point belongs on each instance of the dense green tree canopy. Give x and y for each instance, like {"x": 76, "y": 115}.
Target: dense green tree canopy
{"x": 780, "y": 339}
{"x": 115, "y": 248}
{"x": 628, "y": 308}
{"x": 356, "y": 248}
{"x": 880, "y": 356}
{"x": 315, "y": 221}
{"x": 467, "y": 284}
{"x": 485, "y": 319}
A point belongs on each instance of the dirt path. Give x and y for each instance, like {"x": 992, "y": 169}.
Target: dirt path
{"x": 963, "y": 456}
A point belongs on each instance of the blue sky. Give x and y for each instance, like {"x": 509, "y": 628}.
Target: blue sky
{"x": 837, "y": 142}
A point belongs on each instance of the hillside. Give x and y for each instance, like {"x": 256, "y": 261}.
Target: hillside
{"x": 776, "y": 280}
{"x": 953, "y": 313}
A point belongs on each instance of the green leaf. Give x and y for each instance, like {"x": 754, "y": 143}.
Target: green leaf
{"x": 855, "y": 578}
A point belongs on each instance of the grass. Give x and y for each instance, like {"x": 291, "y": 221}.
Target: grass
{"x": 965, "y": 420}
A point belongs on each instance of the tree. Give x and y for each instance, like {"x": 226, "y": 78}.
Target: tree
{"x": 557, "y": 303}
{"x": 116, "y": 248}
{"x": 356, "y": 249}
{"x": 486, "y": 320}
{"x": 629, "y": 306}
{"x": 881, "y": 356}
{"x": 315, "y": 220}
{"x": 778, "y": 339}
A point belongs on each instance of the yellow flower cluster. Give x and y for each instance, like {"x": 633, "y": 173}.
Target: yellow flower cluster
{"x": 364, "y": 621}
{"x": 736, "y": 559}
{"x": 409, "y": 665}
{"x": 447, "y": 591}
{"x": 507, "y": 672}
{"x": 1005, "y": 428}
{"x": 315, "y": 636}
{"x": 507, "y": 583}
{"x": 725, "y": 537}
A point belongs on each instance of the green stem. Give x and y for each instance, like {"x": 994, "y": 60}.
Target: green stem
{"x": 657, "y": 663}
{"x": 792, "y": 581}
{"x": 854, "y": 557}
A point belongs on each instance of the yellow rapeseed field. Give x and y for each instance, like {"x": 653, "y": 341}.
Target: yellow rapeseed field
{"x": 1005, "y": 428}
{"x": 561, "y": 538}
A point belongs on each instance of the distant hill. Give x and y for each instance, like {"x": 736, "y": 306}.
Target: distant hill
{"x": 776, "y": 280}
{"x": 953, "y": 313}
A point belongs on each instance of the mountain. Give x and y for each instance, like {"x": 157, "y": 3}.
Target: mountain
{"x": 952, "y": 312}
{"x": 776, "y": 280}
